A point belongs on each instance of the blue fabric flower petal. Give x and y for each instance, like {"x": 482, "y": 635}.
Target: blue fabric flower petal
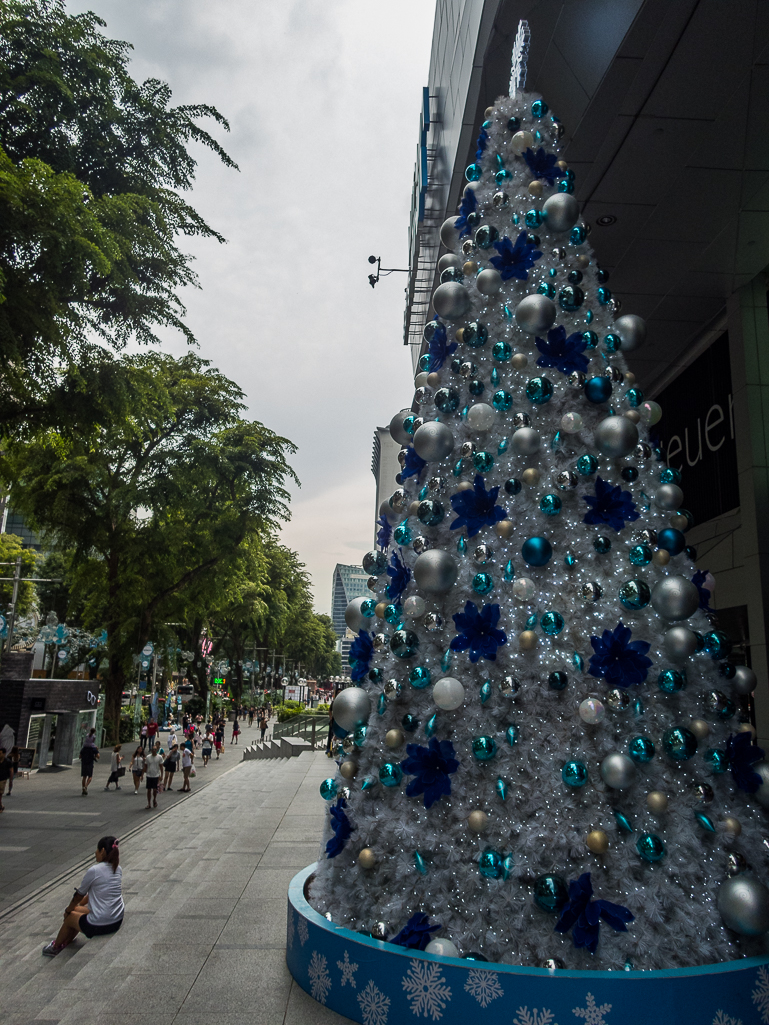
{"x": 515, "y": 261}
{"x": 437, "y": 349}
{"x": 431, "y": 767}
{"x": 610, "y": 505}
{"x": 742, "y": 753}
{"x": 413, "y": 465}
{"x": 542, "y": 164}
{"x": 698, "y": 580}
{"x": 467, "y": 206}
{"x": 361, "y": 653}
{"x": 476, "y": 508}
{"x": 618, "y": 660}
{"x": 477, "y": 631}
{"x": 342, "y": 829}
{"x": 399, "y": 574}
{"x": 582, "y": 914}
{"x": 480, "y": 148}
{"x": 384, "y": 533}
{"x": 565, "y": 354}
{"x": 415, "y": 934}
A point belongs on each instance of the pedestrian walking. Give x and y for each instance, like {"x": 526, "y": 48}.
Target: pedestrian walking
{"x": 263, "y": 726}
{"x": 89, "y": 753}
{"x": 97, "y": 906}
{"x": 114, "y": 769}
{"x": 219, "y": 740}
{"x": 152, "y": 731}
{"x": 188, "y": 757}
{"x": 208, "y": 746}
{"x": 235, "y": 731}
{"x": 171, "y": 764}
{"x": 5, "y": 774}
{"x": 143, "y": 735}
{"x": 15, "y": 759}
{"x": 251, "y": 716}
{"x": 137, "y": 767}
{"x": 154, "y": 770}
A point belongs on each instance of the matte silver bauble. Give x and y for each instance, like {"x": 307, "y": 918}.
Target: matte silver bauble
{"x": 744, "y": 680}
{"x": 435, "y": 572}
{"x": 396, "y": 428}
{"x": 421, "y": 544}
{"x": 448, "y": 694}
{"x": 489, "y": 281}
{"x": 352, "y": 707}
{"x": 675, "y": 598}
{"x": 525, "y": 441}
{"x": 668, "y": 497}
{"x": 433, "y": 441}
{"x": 354, "y": 617}
{"x": 632, "y": 331}
{"x": 449, "y": 260}
{"x": 441, "y": 947}
{"x": 744, "y": 905}
{"x": 390, "y": 514}
{"x": 535, "y": 314}
{"x": 615, "y": 437}
{"x": 451, "y": 300}
{"x": 762, "y": 794}
{"x": 449, "y": 234}
{"x": 618, "y": 771}
{"x": 561, "y": 211}
{"x": 680, "y": 642}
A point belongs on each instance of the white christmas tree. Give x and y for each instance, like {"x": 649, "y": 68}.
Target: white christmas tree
{"x": 547, "y": 759}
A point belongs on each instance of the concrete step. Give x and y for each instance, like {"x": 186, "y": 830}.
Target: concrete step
{"x": 286, "y": 747}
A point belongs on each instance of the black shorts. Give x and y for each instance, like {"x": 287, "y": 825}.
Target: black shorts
{"x": 97, "y": 930}
{"x": 152, "y": 782}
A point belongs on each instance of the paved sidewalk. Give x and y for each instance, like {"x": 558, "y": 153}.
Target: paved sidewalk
{"x": 48, "y": 826}
{"x": 204, "y": 934}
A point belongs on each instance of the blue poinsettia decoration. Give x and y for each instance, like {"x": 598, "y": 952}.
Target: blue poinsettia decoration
{"x": 478, "y": 632}
{"x": 566, "y": 354}
{"x": 583, "y": 915}
{"x": 413, "y": 465}
{"x": 342, "y": 827}
{"x": 399, "y": 574}
{"x": 361, "y": 652}
{"x": 698, "y": 580}
{"x": 742, "y": 753}
{"x": 476, "y": 508}
{"x": 515, "y": 261}
{"x": 384, "y": 533}
{"x": 467, "y": 206}
{"x": 415, "y": 934}
{"x": 618, "y": 660}
{"x": 483, "y": 138}
{"x": 432, "y": 768}
{"x": 610, "y": 505}
{"x": 542, "y": 164}
{"x": 438, "y": 351}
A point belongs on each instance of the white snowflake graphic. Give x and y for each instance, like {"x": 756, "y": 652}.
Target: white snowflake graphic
{"x": 592, "y": 1014}
{"x": 348, "y": 969}
{"x": 523, "y": 1016}
{"x": 484, "y": 986}
{"x": 374, "y": 1005}
{"x": 320, "y": 980}
{"x": 426, "y": 989}
{"x": 291, "y": 928}
{"x": 304, "y": 932}
{"x": 722, "y": 1018}
{"x": 760, "y": 995}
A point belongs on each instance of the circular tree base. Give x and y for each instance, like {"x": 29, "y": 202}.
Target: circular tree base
{"x": 377, "y": 983}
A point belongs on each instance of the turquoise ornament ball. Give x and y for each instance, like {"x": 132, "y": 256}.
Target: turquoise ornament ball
{"x": 473, "y": 172}
{"x": 390, "y": 774}
{"x": 552, "y": 623}
{"x": 539, "y": 108}
{"x": 602, "y": 544}
{"x": 419, "y": 677}
{"x": 376, "y": 675}
{"x": 402, "y": 534}
{"x": 539, "y": 390}
{"x": 486, "y": 236}
{"x": 502, "y": 400}
{"x": 634, "y": 397}
{"x": 717, "y": 760}
{"x": 650, "y": 847}
{"x": 550, "y": 893}
{"x": 393, "y": 613}
{"x": 536, "y": 551}
{"x": 375, "y": 563}
{"x": 534, "y": 218}
{"x": 570, "y": 298}
{"x": 603, "y": 295}
{"x": 670, "y": 476}
{"x": 635, "y": 594}
{"x": 475, "y": 334}
{"x": 640, "y": 555}
{"x": 430, "y": 512}
{"x": 483, "y": 461}
{"x": 329, "y": 789}
{"x": 502, "y": 351}
{"x": 359, "y": 734}
{"x": 577, "y": 235}
{"x": 546, "y": 288}
{"x": 717, "y": 643}
{"x": 641, "y": 750}
{"x": 671, "y": 681}
{"x": 558, "y": 680}
{"x": 424, "y": 361}
{"x": 590, "y": 338}
{"x": 404, "y": 643}
{"x": 490, "y": 864}
{"x": 476, "y": 387}
{"x": 574, "y": 774}
{"x": 368, "y": 608}
{"x": 550, "y": 505}
{"x": 483, "y": 583}
{"x": 612, "y": 342}
{"x": 484, "y": 748}
{"x": 410, "y": 723}
{"x": 513, "y": 486}
{"x": 598, "y": 389}
{"x": 679, "y": 743}
{"x": 446, "y": 400}
{"x": 587, "y": 465}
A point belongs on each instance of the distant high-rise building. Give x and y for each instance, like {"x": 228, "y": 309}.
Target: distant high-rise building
{"x": 384, "y": 466}
{"x": 348, "y": 582}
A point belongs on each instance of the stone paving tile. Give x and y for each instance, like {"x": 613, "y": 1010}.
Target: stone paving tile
{"x": 303, "y": 1010}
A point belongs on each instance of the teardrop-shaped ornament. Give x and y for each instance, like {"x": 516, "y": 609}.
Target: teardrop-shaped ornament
{"x": 501, "y": 788}
{"x": 508, "y": 312}
{"x": 509, "y": 573}
{"x": 457, "y": 471}
{"x": 578, "y": 662}
{"x": 446, "y": 660}
{"x": 502, "y": 447}
{"x": 494, "y": 376}
{"x": 381, "y": 704}
{"x": 421, "y": 864}
{"x": 431, "y": 726}
{"x": 485, "y": 691}
{"x": 623, "y": 823}
{"x": 638, "y": 708}
{"x": 462, "y": 546}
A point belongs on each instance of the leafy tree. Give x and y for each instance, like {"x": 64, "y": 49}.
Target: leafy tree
{"x": 11, "y": 547}
{"x": 153, "y": 501}
{"x": 92, "y": 169}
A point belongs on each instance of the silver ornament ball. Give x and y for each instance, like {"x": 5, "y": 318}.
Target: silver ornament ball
{"x": 390, "y": 514}
{"x": 525, "y": 441}
{"x": 449, "y": 260}
{"x": 668, "y": 497}
{"x": 421, "y": 544}
{"x": 435, "y": 572}
{"x": 566, "y": 480}
{"x": 618, "y": 771}
{"x": 441, "y": 947}
{"x": 680, "y": 642}
{"x": 561, "y": 211}
{"x": 482, "y": 554}
{"x": 354, "y": 617}
{"x": 762, "y": 794}
{"x": 632, "y": 331}
{"x": 535, "y": 314}
{"x": 352, "y": 707}
{"x": 432, "y": 622}
{"x": 449, "y": 234}
{"x": 744, "y": 680}
{"x": 392, "y": 690}
{"x": 451, "y": 300}
{"x": 433, "y": 441}
{"x": 489, "y": 281}
{"x": 675, "y": 598}
{"x": 744, "y": 905}
{"x": 615, "y": 437}
{"x": 397, "y": 432}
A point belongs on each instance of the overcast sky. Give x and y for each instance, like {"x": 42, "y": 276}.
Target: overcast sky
{"x": 323, "y": 100}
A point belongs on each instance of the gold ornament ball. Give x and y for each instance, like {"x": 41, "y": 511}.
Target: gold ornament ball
{"x": 631, "y": 414}
{"x": 536, "y": 188}
{"x": 468, "y": 268}
{"x": 519, "y": 361}
{"x": 699, "y": 728}
{"x": 504, "y": 529}
{"x": 629, "y": 379}
{"x": 597, "y": 841}
{"x": 656, "y": 802}
{"x": 394, "y": 738}
{"x": 562, "y": 164}
{"x": 678, "y": 522}
{"x": 530, "y": 476}
{"x": 348, "y": 769}
{"x": 488, "y": 112}
{"x": 434, "y": 379}
{"x": 527, "y": 640}
{"x": 477, "y": 821}
{"x": 465, "y": 485}
{"x": 379, "y": 610}
{"x": 459, "y": 334}
{"x": 731, "y": 825}
{"x": 367, "y": 858}
{"x": 747, "y": 727}
{"x": 413, "y": 508}
{"x": 582, "y": 261}
{"x": 661, "y": 557}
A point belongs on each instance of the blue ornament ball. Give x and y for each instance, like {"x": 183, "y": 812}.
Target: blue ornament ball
{"x": 501, "y": 400}
{"x": 329, "y": 789}
{"x": 536, "y": 551}
{"x": 598, "y": 389}
{"x": 717, "y": 760}
{"x": 635, "y": 594}
{"x": 550, "y": 505}
{"x": 587, "y": 465}
{"x": 484, "y": 748}
{"x": 574, "y": 774}
{"x": 550, "y": 893}
{"x": 552, "y": 623}
{"x": 650, "y": 847}
{"x": 641, "y": 750}
{"x": 390, "y": 774}
{"x": 410, "y": 723}
{"x": 483, "y": 583}
{"x": 671, "y": 681}
{"x": 490, "y": 864}
{"x": 376, "y": 675}
{"x": 419, "y": 677}
{"x": 539, "y": 390}
{"x": 558, "y": 680}
{"x": 640, "y": 555}
{"x": 502, "y": 351}
{"x": 673, "y": 541}
{"x": 679, "y": 743}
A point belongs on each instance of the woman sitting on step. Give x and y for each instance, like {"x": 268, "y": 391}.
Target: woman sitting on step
{"x": 97, "y": 905}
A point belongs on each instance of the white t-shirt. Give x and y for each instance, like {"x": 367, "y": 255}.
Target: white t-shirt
{"x": 105, "y": 893}
{"x": 154, "y": 764}
{"x": 115, "y": 764}
{"x": 186, "y": 758}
